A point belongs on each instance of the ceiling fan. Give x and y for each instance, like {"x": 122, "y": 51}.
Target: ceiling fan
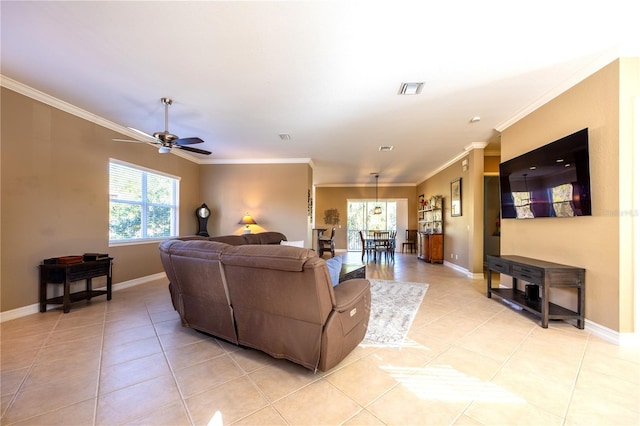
{"x": 167, "y": 140}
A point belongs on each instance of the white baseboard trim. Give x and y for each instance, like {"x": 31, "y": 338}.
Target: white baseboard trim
{"x": 457, "y": 268}
{"x": 35, "y": 308}
{"x": 137, "y": 281}
{"x": 19, "y": 312}
{"x": 475, "y": 276}
{"x": 612, "y": 336}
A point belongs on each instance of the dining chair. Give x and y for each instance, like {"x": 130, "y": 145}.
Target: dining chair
{"x": 367, "y": 245}
{"x": 327, "y": 244}
{"x": 380, "y": 243}
{"x": 411, "y": 236}
{"x": 391, "y": 246}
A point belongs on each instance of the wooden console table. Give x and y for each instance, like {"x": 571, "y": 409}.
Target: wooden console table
{"x": 68, "y": 273}
{"x": 544, "y": 274}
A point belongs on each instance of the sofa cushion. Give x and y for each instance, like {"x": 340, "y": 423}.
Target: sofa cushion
{"x": 267, "y": 237}
{"x": 268, "y": 257}
{"x": 334, "y": 265}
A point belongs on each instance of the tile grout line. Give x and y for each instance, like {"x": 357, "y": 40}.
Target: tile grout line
{"x": 575, "y": 380}
{"x": 499, "y": 369}
{"x": 173, "y": 374}
{"x": 104, "y": 326}
{"x": 24, "y": 379}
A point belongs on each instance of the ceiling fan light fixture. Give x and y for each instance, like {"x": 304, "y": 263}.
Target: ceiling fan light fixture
{"x": 166, "y": 140}
{"x": 411, "y": 88}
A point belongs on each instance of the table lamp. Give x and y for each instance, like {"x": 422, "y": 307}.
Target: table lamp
{"x": 247, "y": 220}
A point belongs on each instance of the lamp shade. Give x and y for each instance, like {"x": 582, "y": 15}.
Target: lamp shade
{"x": 247, "y": 220}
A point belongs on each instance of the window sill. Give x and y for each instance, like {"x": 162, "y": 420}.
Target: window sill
{"x": 138, "y": 241}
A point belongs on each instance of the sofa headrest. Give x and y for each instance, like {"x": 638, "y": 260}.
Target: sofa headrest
{"x": 234, "y": 240}
{"x": 201, "y": 249}
{"x": 283, "y": 258}
{"x": 268, "y": 237}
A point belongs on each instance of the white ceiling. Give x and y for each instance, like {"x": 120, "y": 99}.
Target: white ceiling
{"x": 327, "y": 73}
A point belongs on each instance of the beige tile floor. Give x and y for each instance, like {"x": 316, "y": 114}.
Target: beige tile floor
{"x": 468, "y": 360}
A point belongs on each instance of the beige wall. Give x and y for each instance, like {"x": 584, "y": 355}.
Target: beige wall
{"x": 336, "y": 198}
{"x": 274, "y": 194}
{"x": 592, "y": 242}
{"x": 492, "y": 164}
{"x": 462, "y": 247}
{"x": 55, "y": 201}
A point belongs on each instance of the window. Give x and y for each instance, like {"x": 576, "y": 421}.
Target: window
{"x": 142, "y": 204}
{"x": 360, "y": 217}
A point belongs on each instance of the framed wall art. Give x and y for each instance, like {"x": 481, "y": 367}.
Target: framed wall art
{"x": 456, "y": 197}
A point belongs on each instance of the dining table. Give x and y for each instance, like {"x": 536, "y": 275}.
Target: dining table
{"x": 379, "y": 241}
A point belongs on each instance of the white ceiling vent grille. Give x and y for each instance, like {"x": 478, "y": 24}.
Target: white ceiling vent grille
{"x": 386, "y": 148}
{"x": 285, "y": 136}
{"x": 410, "y": 88}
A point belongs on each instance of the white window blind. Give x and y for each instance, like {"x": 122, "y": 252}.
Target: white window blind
{"x": 142, "y": 204}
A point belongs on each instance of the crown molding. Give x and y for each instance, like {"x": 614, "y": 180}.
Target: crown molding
{"x": 596, "y": 65}
{"x": 444, "y": 166}
{"x": 465, "y": 153}
{"x": 259, "y": 161}
{"x": 32, "y": 93}
{"x": 54, "y": 102}
{"x": 363, "y": 185}
{"x": 476, "y": 145}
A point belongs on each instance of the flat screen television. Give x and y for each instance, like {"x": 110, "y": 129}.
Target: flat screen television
{"x": 550, "y": 181}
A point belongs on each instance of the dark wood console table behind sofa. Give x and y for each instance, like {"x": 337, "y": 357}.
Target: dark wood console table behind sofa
{"x": 544, "y": 274}
{"x": 65, "y": 274}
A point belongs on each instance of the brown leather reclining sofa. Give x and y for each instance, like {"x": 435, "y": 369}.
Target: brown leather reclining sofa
{"x": 274, "y": 298}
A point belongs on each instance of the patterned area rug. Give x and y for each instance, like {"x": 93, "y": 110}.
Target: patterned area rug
{"x": 393, "y": 307}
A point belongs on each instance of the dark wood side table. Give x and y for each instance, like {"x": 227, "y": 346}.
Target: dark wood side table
{"x": 66, "y": 274}
{"x": 349, "y": 272}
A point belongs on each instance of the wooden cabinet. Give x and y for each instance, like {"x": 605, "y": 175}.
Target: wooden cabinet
{"x": 431, "y": 247}
{"x": 436, "y": 248}
{"x": 430, "y": 227}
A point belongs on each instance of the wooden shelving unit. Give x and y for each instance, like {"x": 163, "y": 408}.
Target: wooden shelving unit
{"x": 430, "y": 229}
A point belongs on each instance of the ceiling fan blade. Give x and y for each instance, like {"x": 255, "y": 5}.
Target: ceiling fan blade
{"x": 187, "y": 141}
{"x": 196, "y": 150}
{"x": 141, "y": 132}
{"x": 126, "y": 140}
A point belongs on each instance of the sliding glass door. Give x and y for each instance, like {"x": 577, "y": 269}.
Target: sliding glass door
{"x": 360, "y": 217}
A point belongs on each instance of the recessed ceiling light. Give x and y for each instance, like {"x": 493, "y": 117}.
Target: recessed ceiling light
{"x": 285, "y": 136}
{"x": 386, "y": 148}
{"x": 410, "y": 88}
{"x": 474, "y": 119}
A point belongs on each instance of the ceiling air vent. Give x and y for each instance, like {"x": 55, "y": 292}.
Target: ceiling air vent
{"x": 410, "y": 88}
{"x": 285, "y": 136}
{"x": 386, "y": 148}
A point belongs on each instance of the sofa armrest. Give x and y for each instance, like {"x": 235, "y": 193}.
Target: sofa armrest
{"x": 347, "y": 323}
{"x": 349, "y": 292}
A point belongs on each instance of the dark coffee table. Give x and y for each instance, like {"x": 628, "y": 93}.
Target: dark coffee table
{"x": 351, "y": 271}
